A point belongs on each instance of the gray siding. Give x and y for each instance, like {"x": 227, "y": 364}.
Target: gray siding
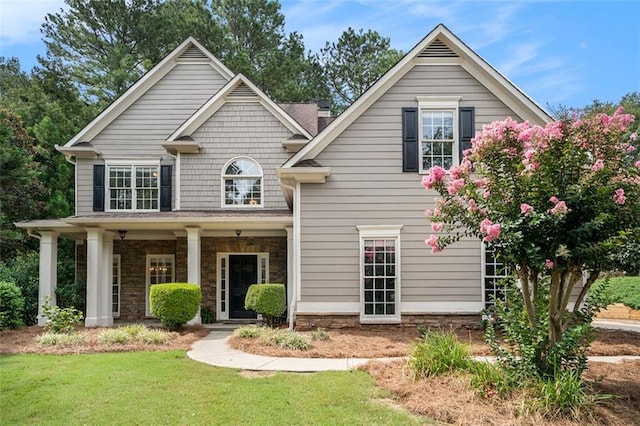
{"x": 152, "y": 118}
{"x": 369, "y": 187}
{"x": 139, "y": 131}
{"x": 236, "y": 129}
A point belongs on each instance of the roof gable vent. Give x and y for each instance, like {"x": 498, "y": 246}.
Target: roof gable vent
{"x": 437, "y": 49}
{"x": 242, "y": 91}
{"x": 193, "y": 53}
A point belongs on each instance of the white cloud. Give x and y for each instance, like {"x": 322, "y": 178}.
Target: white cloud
{"x": 20, "y": 20}
{"x": 522, "y": 54}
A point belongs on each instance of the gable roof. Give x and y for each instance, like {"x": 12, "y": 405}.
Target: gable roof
{"x": 188, "y": 51}
{"x": 238, "y": 89}
{"x": 440, "y": 46}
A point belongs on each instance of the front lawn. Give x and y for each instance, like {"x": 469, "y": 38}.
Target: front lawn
{"x": 168, "y": 388}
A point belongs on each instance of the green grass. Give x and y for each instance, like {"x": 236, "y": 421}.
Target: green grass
{"x": 621, "y": 290}
{"x": 168, "y": 388}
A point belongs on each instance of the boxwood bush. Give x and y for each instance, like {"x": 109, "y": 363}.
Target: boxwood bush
{"x": 268, "y": 300}
{"x": 11, "y": 306}
{"x": 620, "y": 290}
{"x": 175, "y": 303}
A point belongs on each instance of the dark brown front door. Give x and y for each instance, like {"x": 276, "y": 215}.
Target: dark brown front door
{"x": 243, "y": 271}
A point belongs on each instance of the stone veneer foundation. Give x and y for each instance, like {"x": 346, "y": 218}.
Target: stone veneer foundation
{"x": 133, "y": 258}
{"x": 456, "y": 321}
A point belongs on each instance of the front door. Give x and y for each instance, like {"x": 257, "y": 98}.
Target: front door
{"x": 243, "y": 271}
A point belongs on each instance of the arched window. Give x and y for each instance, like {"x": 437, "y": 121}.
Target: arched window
{"x": 242, "y": 183}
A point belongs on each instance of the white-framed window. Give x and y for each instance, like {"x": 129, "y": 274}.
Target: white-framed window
{"x": 224, "y": 280}
{"x": 438, "y": 131}
{"x": 242, "y": 183}
{"x": 115, "y": 286}
{"x": 160, "y": 269}
{"x": 133, "y": 187}
{"x": 379, "y": 273}
{"x": 493, "y": 271}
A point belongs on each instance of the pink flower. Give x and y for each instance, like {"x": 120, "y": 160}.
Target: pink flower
{"x": 634, "y": 136}
{"x": 619, "y": 198}
{"x": 454, "y": 186}
{"x": 631, "y": 148}
{"x": 436, "y": 175}
{"x": 490, "y": 230}
{"x": 437, "y": 226}
{"x": 472, "y": 205}
{"x": 428, "y": 213}
{"x": 432, "y": 242}
{"x": 637, "y": 164}
{"x": 559, "y": 210}
{"x": 554, "y": 199}
{"x": 548, "y": 263}
{"x": 456, "y": 172}
{"x": 526, "y": 209}
{"x": 598, "y": 165}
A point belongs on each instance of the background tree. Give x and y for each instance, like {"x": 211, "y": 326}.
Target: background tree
{"x": 554, "y": 203}
{"x": 354, "y": 63}
{"x": 22, "y": 194}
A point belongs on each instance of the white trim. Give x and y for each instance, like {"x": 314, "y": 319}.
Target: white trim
{"x": 220, "y": 98}
{"x": 406, "y": 308}
{"x": 116, "y": 260}
{"x": 224, "y": 315}
{"x": 130, "y": 162}
{"x": 178, "y": 181}
{"x": 140, "y": 87}
{"x": 345, "y": 308}
{"x": 224, "y": 176}
{"x": 170, "y": 257}
{"x": 441, "y": 307}
{"x": 384, "y": 232}
{"x": 439, "y": 104}
{"x": 504, "y": 89}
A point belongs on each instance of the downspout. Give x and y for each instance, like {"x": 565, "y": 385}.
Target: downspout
{"x": 75, "y": 181}
{"x": 294, "y": 292}
{"x": 32, "y": 234}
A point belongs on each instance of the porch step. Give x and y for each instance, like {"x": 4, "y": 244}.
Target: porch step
{"x": 229, "y": 325}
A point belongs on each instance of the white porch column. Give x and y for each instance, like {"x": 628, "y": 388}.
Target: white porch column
{"x": 106, "y": 281}
{"x": 193, "y": 262}
{"x": 290, "y": 266}
{"x": 48, "y": 270}
{"x": 95, "y": 258}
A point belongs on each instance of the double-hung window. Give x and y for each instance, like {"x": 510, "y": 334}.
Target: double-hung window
{"x": 133, "y": 187}
{"x": 495, "y": 271}
{"x": 380, "y": 273}
{"x": 438, "y": 132}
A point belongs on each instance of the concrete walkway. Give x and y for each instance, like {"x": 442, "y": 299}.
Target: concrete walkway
{"x": 214, "y": 349}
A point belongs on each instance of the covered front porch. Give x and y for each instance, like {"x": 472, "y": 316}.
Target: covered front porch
{"x": 121, "y": 256}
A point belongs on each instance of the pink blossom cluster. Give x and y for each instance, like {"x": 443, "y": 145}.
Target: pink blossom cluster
{"x": 559, "y": 209}
{"x": 597, "y": 166}
{"x": 490, "y": 230}
{"x": 454, "y": 186}
{"x": 548, "y": 263}
{"x": 437, "y": 226}
{"x": 619, "y": 196}
{"x": 433, "y": 242}
{"x": 526, "y": 209}
{"x": 436, "y": 175}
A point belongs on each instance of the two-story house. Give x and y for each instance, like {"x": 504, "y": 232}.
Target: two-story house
{"x": 194, "y": 175}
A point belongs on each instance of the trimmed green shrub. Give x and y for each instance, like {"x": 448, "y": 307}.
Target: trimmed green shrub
{"x": 64, "y": 340}
{"x": 206, "y": 315}
{"x": 268, "y": 300}
{"x": 620, "y": 290}
{"x": 11, "y": 306}
{"x": 175, "y": 304}
{"x": 60, "y": 320}
{"x": 438, "y": 353}
{"x": 23, "y": 272}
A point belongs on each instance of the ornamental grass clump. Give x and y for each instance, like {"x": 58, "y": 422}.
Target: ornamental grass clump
{"x": 289, "y": 340}
{"x": 63, "y": 340}
{"x": 438, "y": 353}
{"x": 249, "y": 332}
{"x": 320, "y": 334}
{"x": 115, "y": 336}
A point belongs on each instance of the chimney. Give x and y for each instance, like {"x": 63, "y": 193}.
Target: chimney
{"x": 324, "y": 108}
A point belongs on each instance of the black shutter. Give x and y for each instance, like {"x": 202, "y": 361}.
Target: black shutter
{"x": 467, "y": 128}
{"x": 98, "y": 187}
{"x": 410, "y": 139}
{"x": 165, "y": 188}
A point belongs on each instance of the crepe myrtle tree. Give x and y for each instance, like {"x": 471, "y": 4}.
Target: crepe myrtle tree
{"x": 552, "y": 201}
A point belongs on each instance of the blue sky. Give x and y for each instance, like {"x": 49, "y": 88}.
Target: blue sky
{"x": 558, "y": 52}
